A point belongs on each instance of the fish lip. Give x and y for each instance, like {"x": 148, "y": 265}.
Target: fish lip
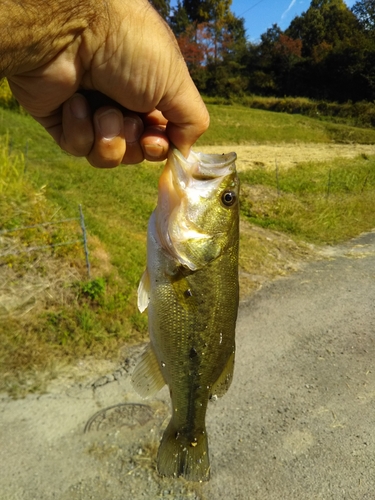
{"x": 201, "y": 166}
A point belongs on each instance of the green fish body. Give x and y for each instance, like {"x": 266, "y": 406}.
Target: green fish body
{"x": 190, "y": 287}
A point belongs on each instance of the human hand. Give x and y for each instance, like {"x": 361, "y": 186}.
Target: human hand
{"x": 128, "y": 54}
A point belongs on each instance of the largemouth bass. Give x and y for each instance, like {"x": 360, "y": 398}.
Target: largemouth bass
{"x": 190, "y": 287}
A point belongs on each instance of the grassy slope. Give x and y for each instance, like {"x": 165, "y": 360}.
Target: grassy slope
{"x": 316, "y": 202}
{"x": 117, "y": 204}
{"x": 240, "y": 125}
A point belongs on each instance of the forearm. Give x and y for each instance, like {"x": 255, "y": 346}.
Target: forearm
{"x": 35, "y": 31}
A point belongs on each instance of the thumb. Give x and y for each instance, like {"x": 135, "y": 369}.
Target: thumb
{"x": 187, "y": 116}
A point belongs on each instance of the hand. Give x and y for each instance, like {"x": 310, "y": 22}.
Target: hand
{"x": 128, "y": 54}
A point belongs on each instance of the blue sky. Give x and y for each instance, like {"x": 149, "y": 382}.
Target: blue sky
{"x": 260, "y": 15}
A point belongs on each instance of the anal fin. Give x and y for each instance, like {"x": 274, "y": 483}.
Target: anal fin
{"x": 222, "y": 384}
{"x": 147, "y": 378}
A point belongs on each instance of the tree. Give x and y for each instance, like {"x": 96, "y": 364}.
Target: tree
{"x": 328, "y": 52}
{"x": 260, "y": 67}
{"x": 193, "y": 46}
{"x": 207, "y": 10}
{"x": 332, "y": 45}
{"x": 328, "y": 21}
{"x": 179, "y": 19}
{"x": 197, "y": 11}
{"x": 162, "y": 6}
{"x": 213, "y": 42}
{"x": 226, "y": 64}
{"x": 364, "y": 10}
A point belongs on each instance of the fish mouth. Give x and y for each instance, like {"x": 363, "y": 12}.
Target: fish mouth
{"x": 200, "y": 167}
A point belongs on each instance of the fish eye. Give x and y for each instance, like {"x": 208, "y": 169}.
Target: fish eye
{"x": 229, "y": 198}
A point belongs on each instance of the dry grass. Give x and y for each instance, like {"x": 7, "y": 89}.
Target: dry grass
{"x": 266, "y": 255}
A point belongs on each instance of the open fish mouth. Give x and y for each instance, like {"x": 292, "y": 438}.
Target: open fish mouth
{"x": 200, "y": 167}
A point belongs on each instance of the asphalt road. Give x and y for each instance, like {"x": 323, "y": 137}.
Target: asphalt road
{"x": 297, "y": 423}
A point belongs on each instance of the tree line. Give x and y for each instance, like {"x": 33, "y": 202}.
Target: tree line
{"x": 328, "y": 52}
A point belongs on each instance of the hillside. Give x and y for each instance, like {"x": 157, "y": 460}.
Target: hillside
{"x": 53, "y": 314}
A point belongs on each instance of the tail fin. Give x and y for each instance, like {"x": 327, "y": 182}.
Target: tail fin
{"x": 180, "y": 456}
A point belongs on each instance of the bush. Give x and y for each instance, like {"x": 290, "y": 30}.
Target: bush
{"x": 93, "y": 289}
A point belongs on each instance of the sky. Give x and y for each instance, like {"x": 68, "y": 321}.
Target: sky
{"x": 260, "y": 15}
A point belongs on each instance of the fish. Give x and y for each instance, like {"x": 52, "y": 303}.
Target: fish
{"x": 190, "y": 288}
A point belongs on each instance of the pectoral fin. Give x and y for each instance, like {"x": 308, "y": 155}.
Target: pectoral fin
{"x": 144, "y": 292}
{"x": 147, "y": 378}
{"x": 222, "y": 384}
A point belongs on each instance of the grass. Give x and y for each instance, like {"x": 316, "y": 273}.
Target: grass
{"x": 236, "y": 124}
{"x": 6, "y": 97}
{"x": 66, "y": 315}
{"x": 12, "y": 166}
{"x": 317, "y": 202}
{"x": 358, "y": 114}
{"x": 98, "y": 316}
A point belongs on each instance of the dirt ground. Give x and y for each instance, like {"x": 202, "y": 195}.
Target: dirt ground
{"x": 296, "y": 424}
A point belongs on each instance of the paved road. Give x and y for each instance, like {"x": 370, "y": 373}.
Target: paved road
{"x": 300, "y": 420}
{"x": 297, "y": 423}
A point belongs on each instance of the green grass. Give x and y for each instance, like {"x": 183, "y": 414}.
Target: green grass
{"x": 358, "y": 114}
{"x": 12, "y": 166}
{"x": 236, "y": 124}
{"x": 317, "y": 202}
{"x": 99, "y": 316}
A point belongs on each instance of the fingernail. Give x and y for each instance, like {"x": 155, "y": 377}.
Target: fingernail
{"x": 153, "y": 150}
{"x": 79, "y": 107}
{"x": 110, "y": 123}
{"x": 133, "y": 129}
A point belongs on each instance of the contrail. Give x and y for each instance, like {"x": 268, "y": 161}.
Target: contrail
{"x": 288, "y": 9}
